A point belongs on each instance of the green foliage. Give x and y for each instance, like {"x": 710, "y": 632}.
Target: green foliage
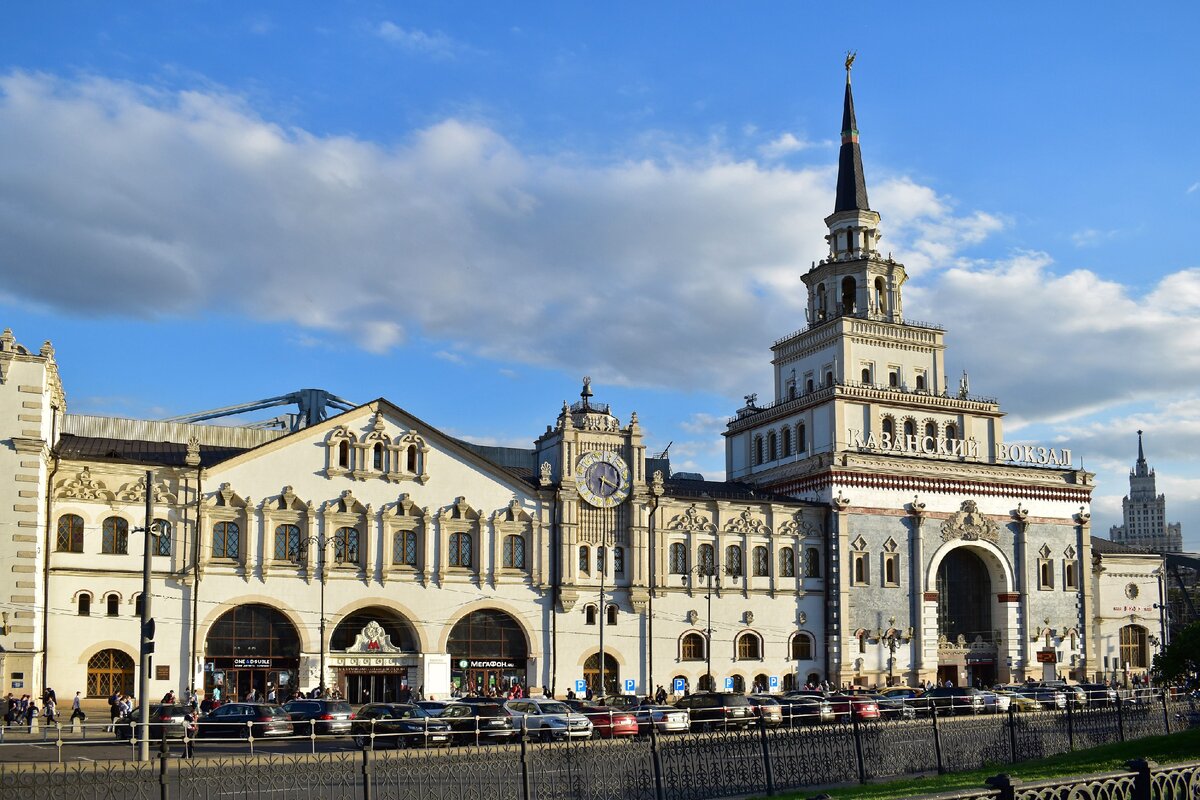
{"x": 1181, "y": 658}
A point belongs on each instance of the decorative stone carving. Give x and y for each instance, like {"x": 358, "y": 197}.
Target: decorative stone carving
{"x": 192, "y": 459}
{"x": 693, "y": 616}
{"x": 1020, "y": 514}
{"x": 84, "y": 487}
{"x": 840, "y": 503}
{"x": 748, "y": 617}
{"x": 802, "y": 617}
{"x": 692, "y": 520}
{"x": 136, "y": 492}
{"x": 373, "y": 639}
{"x": 798, "y": 526}
{"x": 916, "y": 508}
{"x": 746, "y": 523}
{"x": 970, "y": 525}
{"x": 547, "y": 474}
{"x": 656, "y": 483}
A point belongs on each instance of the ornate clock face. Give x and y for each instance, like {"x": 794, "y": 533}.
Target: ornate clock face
{"x": 603, "y": 479}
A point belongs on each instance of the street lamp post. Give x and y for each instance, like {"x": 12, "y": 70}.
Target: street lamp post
{"x": 298, "y": 554}
{"x": 146, "y": 648}
{"x": 712, "y": 571}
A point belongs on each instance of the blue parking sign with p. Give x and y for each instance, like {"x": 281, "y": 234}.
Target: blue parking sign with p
{"x": 680, "y": 686}
{"x": 630, "y": 685}
{"x": 729, "y": 684}
{"x": 774, "y": 682}
{"x": 580, "y": 687}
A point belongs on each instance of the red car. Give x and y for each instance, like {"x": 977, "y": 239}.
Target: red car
{"x": 864, "y": 708}
{"x": 607, "y": 722}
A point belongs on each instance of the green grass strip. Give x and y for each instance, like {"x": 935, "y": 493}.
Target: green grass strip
{"x": 1183, "y": 746}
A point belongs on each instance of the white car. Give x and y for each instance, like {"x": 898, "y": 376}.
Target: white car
{"x": 549, "y": 720}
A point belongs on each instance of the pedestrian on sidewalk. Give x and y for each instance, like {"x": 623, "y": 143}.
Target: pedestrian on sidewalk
{"x": 77, "y": 710}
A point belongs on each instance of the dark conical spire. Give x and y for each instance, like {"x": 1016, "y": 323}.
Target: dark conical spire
{"x": 852, "y": 183}
{"x": 1141, "y": 462}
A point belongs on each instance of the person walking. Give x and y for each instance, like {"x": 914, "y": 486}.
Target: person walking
{"x": 77, "y": 710}
{"x": 51, "y": 710}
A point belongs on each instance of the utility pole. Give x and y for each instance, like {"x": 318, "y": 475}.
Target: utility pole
{"x": 147, "y": 637}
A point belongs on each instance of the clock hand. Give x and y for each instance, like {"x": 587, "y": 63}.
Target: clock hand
{"x": 606, "y": 480}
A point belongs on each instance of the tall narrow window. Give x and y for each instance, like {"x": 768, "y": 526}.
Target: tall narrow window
{"x": 787, "y": 441}
{"x": 1045, "y": 573}
{"x": 801, "y": 438}
{"x": 612, "y": 616}
{"x": 862, "y": 571}
{"x": 412, "y": 458}
{"x": 460, "y": 550}
{"x": 287, "y": 542}
{"x": 585, "y": 559}
{"x": 920, "y": 381}
{"x": 404, "y": 548}
{"x": 678, "y": 558}
{"x": 70, "y": 533}
{"x": 345, "y": 546}
{"x": 733, "y": 559}
{"x": 760, "y": 562}
{"x": 226, "y": 537}
{"x": 138, "y": 603}
{"x": 589, "y": 614}
{"x": 758, "y": 451}
{"x": 893, "y": 378}
{"x": 891, "y": 569}
{"x": 618, "y": 560}
{"x": 866, "y": 376}
{"x": 514, "y": 552}
{"x": 113, "y": 604}
{"x": 772, "y": 453}
{"x": 344, "y": 454}
{"x": 85, "y": 605}
{"x": 888, "y": 426}
{"x": 115, "y": 536}
{"x": 787, "y": 562}
{"x": 162, "y": 537}
{"x": 812, "y": 563}
{"x": 951, "y": 431}
{"x": 931, "y": 430}
{"x": 1069, "y": 583}
{"x": 602, "y": 560}
{"x": 910, "y": 428}
{"x": 378, "y": 456}
{"x": 708, "y": 559}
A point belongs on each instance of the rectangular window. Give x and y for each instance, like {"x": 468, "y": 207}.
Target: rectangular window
{"x": 861, "y": 575}
{"x": 404, "y": 548}
{"x": 1069, "y": 576}
{"x": 891, "y": 569}
{"x": 1045, "y": 573}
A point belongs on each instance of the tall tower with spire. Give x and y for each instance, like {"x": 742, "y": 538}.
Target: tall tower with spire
{"x": 1145, "y": 512}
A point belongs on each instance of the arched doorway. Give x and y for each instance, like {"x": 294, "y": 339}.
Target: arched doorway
{"x": 109, "y": 671}
{"x": 390, "y": 641}
{"x": 251, "y": 647}
{"x": 612, "y": 674}
{"x": 964, "y": 616}
{"x": 488, "y": 653}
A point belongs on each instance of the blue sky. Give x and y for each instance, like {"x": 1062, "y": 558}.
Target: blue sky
{"x": 465, "y": 207}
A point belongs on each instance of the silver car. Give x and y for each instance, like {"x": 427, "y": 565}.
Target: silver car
{"x": 548, "y": 720}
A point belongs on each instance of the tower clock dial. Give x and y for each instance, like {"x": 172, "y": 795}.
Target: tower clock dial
{"x": 603, "y": 479}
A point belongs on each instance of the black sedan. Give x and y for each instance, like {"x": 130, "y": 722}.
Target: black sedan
{"x": 398, "y": 725}
{"x": 242, "y": 720}
{"x": 320, "y": 717}
{"x": 479, "y": 723}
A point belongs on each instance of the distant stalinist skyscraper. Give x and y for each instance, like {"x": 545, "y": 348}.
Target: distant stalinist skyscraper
{"x": 1145, "y": 513}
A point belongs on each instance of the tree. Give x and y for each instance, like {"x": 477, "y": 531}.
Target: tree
{"x": 1180, "y": 660}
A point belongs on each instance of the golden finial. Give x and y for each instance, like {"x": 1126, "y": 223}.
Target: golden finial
{"x": 850, "y": 62}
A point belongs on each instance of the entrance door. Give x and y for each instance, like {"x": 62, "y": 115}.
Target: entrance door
{"x": 947, "y": 673}
{"x": 364, "y": 688}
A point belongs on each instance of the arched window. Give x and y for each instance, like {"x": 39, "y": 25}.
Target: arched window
{"x": 618, "y": 560}
{"x": 829, "y": 377}
{"x": 85, "y": 605}
{"x": 890, "y": 563}
{"x": 888, "y": 426}
{"x": 821, "y": 310}
{"x": 585, "y": 559}
{"x": 112, "y": 605}
{"x": 460, "y": 550}
{"x": 708, "y": 559}
{"x": 861, "y": 570}
{"x": 109, "y": 671}
{"x": 287, "y": 542}
{"x": 772, "y": 452}
{"x": 1133, "y": 647}
{"x": 749, "y": 647}
{"x": 514, "y": 552}
{"x": 589, "y": 614}
{"x": 812, "y": 563}
{"x": 412, "y": 458}
{"x": 739, "y": 684}
{"x": 880, "y": 295}
{"x": 920, "y": 381}
{"x": 760, "y": 562}
{"x": 344, "y": 454}
{"x": 931, "y": 430}
{"x": 377, "y": 458}
{"x": 758, "y": 450}
{"x": 612, "y": 616}
{"x": 787, "y": 562}
{"x": 116, "y": 536}
{"x": 226, "y": 536}
{"x": 849, "y": 295}
{"x": 894, "y": 378}
{"x": 345, "y": 546}
{"x": 802, "y": 647}
{"x": 787, "y": 441}
{"x": 70, "y": 533}
{"x": 733, "y": 559}
{"x": 801, "y": 438}
{"x": 404, "y": 548}
{"x": 601, "y": 560}
{"x": 951, "y": 431}
{"x": 910, "y": 428}
{"x": 678, "y": 558}
{"x": 789, "y": 683}
{"x": 691, "y": 647}
{"x": 162, "y": 537}
{"x": 808, "y": 385}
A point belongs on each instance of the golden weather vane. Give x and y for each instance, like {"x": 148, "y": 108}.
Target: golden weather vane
{"x": 850, "y": 59}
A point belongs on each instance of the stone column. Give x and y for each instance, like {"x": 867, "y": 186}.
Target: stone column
{"x": 1019, "y": 652}
{"x": 837, "y": 595}
{"x": 916, "y": 590}
{"x": 1083, "y": 578}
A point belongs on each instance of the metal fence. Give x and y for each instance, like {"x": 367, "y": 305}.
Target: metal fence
{"x": 1144, "y": 780}
{"x": 688, "y": 766}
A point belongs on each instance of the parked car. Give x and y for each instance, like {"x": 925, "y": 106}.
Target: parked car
{"x": 891, "y": 707}
{"x": 806, "y": 709}
{"x": 912, "y": 697}
{"x": 994, "y": 702}
{"x": 717, "y": 711}
{"x": 1047, "y": 697}
{"x": 768, "y": 708}
{"x": 163, "y": 718}
{"x": 667, "y": 719}
{"x": 322, "y": 717}
{"x": 1019, "y": 703}
{"x": 955, "y": 700}
{"x": 398, "y": 724}
{"x": 607, "y": 721}
{"x": 478, "y": 723}
{"x": 549, "y": 720}
{"x": 617, "y": 700}
{"x": 862, "y": 707}
{"x": 1099, "y": 695}
{"x": 434, "y": 707}
{"x": 242, "y": 720}
{"x": 1075, "y": 693}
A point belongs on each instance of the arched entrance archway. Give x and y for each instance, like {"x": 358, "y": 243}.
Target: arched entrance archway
{"x": 488, "y": 653}
{"x": 964, "y": 617}
{"x": 251, "y": 647}
{"x": 612, "y": 674}
{"x": 391, "y": 642}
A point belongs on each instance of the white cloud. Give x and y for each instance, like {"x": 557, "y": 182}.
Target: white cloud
{"x": 1090, "y": 237}
{"x": 785, "y": 144}
{"x": 1193, "y": 187}
{"x": 417, "y": 41}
